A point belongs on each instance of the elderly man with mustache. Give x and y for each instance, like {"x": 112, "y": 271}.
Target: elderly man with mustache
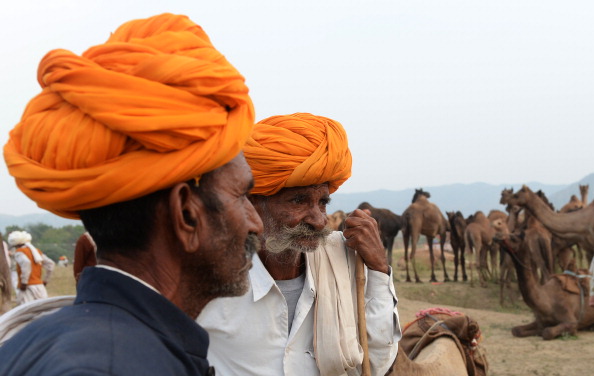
{"x": 299, "y": 315}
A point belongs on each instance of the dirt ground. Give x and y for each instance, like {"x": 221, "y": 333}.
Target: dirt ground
{"x": 508, "y": 355}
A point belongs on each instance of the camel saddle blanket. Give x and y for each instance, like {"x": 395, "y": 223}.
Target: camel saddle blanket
{"x": 433, "y": 323}
{"x": 573, "y": 284}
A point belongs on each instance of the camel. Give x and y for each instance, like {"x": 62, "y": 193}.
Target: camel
{"x": 576, "y": 226}
{"x": 5, "y": 280}
{"x": 440, "y": 342}
{"x": 560, "y": 306}
{"x": 423, "y": 218}
{"x": 457, "y": 228}
{"x": 336, "y": 219}
{"x": 479, "y": 240}
{"x": 573, "y": 204}
{"x": 538, "y": 239}
{"x": 388, "y": 223}
{"x": 561, "y": 248}
{"x": 584, "y": 193}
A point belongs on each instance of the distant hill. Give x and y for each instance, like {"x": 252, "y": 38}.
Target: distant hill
{"x": 561, "y": 197}
{"x": 467, "y": 198}
{"x": 46, "y": 218}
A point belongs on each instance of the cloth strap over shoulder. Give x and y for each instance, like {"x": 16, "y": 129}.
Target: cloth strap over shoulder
{"x": 336, "y": 343}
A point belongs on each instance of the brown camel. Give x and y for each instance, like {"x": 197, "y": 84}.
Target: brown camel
{"x": 423, "y": 218}
{"x": 388, "y": 223}
{"x": 538, "y": 240}
{"x": 573, "y": 204}
{"x": 584, "y": 193}
{"x": 560, "y": 306}
{"x": 5, "y": 280}
{"x": 479, "y": 240}
{"x": 457, "y": 227}
{"x": 440, "y": 342}
{"x": 336, "y": 219}
{"x": 576, "y": 226}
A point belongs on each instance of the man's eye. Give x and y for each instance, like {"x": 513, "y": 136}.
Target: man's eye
{"x": 298, "y": 199}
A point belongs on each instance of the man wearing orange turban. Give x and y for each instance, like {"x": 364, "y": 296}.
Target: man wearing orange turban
{"x": 300, "y": 309}
{"x": 141, "y": 138}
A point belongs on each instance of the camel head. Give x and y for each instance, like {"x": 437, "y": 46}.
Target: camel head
{"x": 500, "y": 227}
{"x": 420, "y": 192}
{"x": 510, "y": 242}
{"x": 505, "y": 195}
{"x": 521, "y": 197}
{"x": 364, "y": 205}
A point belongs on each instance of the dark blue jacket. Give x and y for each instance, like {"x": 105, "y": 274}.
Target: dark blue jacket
{"x": 117, "y": 326}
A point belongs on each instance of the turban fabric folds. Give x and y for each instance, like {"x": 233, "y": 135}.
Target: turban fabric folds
{"x": 297, "y": 150}
{"x": 155, "y": 105}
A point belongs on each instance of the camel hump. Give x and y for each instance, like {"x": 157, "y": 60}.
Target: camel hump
{"x": 434, "y": 323}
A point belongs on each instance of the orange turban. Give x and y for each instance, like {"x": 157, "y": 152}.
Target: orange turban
{"x": 155, "y": 105}
{"x": 297, "y": 150}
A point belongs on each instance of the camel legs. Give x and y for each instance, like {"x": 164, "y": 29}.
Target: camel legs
{"x": 493, "y": 252}
{"x": 506, "y": 273}
{"x": 532, "y": 329}
{"x": 406, "y": 239}
{"x": 431, "y": 258}
{"x": 483, "y": 268}
{"x": 459, "y": 261}
{"x": 553, "y": 332}
{"x": 389, "y": 246}
{"x": 446, "y": 277}
{"x": 412, "y": 238}
{"x": 413, "y": 250}
{"x": 456, "y": 250}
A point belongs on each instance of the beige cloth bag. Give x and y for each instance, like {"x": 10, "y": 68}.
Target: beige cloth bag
{"x": 336, "y": 342}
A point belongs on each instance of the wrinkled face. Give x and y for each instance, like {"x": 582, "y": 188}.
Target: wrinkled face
{"x": 229, "y": 238}
{"x": 294, "y": 218}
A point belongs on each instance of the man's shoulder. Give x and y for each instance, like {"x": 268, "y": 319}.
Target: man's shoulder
{"x": 97, "y": 337}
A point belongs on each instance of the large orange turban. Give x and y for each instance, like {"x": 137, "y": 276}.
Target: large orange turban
{"x": 155, "y": 105}
{"x": 297, "y": 150}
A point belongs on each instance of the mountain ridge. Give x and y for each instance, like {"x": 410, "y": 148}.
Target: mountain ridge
{"x": 467, "y": 198}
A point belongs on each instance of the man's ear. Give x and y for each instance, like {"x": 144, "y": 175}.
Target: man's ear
{"x": 185, "y": 207}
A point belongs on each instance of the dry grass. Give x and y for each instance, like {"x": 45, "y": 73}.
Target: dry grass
{"x": 62, "y": 282}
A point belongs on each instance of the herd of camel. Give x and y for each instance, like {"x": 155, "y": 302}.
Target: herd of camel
{"x": 530, "y": 242}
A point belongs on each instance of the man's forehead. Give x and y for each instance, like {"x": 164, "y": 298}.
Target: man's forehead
{"x": 308, "y": 189}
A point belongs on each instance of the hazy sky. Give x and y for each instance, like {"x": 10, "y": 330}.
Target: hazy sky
{"x": 431, "y": 92}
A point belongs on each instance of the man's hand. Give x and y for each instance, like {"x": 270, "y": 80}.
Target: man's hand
{"x": 362, "y": 235}
{"x": 23, "y": 287}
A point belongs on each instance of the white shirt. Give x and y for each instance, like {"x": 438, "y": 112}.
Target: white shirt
{"x": 249, "y": 334}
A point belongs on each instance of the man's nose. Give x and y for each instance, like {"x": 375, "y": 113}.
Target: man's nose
{"x": 255, "y": 222}
{"x": 317, "y": 218}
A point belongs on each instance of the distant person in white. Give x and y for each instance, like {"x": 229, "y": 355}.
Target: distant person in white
{"x": 31, "y": 264}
